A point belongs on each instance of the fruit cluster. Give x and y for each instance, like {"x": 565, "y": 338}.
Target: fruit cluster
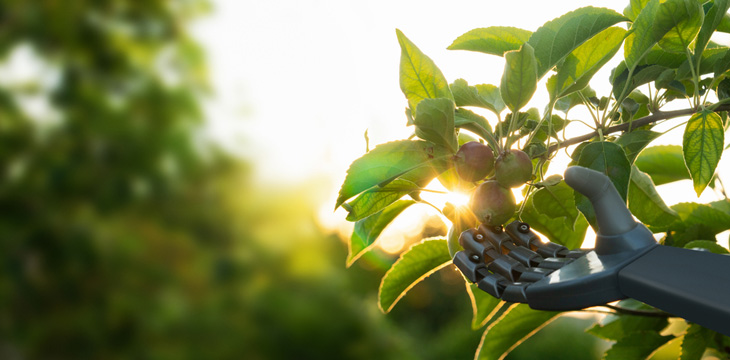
{"x": 492, "y": 201}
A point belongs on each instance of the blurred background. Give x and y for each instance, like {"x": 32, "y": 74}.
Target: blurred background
{"x": 168, "y": 171}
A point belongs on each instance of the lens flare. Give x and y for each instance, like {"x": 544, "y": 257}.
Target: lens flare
{"x": 457, "y": 198}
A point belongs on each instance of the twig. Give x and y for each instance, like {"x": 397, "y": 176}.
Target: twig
{"x": 650, "y": 313}
{"x": 657, "y": 116}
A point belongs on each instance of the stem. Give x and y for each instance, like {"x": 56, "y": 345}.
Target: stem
{"x": 722, "y": 185}
{"x": 512, "y": 121}
{"x": 522, "y": 206}
{"x": 622, "y": 96}
{"x": 588, "y": 105}
{"x": 499, "y": 136}
{"x": 651, "y": 101}
{"x": 695, "y": 79}
{"x": 539, "y": 123}
{"x": 549, "y": 117}
{"x": 718, "y": 104}
{"x": 432, "y": 205}
{"x": 674, "y": 127}
{"x": 658, "y": 116}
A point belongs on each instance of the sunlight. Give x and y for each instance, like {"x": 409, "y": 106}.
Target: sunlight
{"x": 403, "y": 230}
{"x": 457, "y": 198}
{"x": 392, "y": 244}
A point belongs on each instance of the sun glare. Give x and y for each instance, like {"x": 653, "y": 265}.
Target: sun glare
{"x": 457, "y": 198}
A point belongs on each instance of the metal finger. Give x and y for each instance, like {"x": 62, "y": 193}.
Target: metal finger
{"x": 534, "y": 274}
{"x": 496, "y": 236}
{"x": 506, "y": 245}
{"x": 506, "y": 266}
{"x": 554, "y": 263}
{"x": 515, "y": 292}
{"x": 522, "y": 235}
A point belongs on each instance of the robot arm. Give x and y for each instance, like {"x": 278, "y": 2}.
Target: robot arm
{"x": 513, "y": 264}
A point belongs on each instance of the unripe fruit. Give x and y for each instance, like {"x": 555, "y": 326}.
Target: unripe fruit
{"x": 513, "y": 168}
{"x": 492, "y": 203}
{"x": 474, "y": 161}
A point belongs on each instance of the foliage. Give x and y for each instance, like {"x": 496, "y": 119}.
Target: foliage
{"x": 107, "y": 202}
{"x": 668, "y": 58}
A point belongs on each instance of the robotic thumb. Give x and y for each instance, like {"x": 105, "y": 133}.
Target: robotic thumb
{"x": 611, "y": 213}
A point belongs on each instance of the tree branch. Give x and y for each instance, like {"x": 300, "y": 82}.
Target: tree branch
{"x": 650, "y": 313}
{"x": 657, "y": 116}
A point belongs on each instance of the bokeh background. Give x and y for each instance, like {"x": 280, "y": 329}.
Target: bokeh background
{"x": 168, "y": 171}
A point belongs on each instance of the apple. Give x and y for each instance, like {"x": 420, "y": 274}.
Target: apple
{"x": 513, "y": 168}
{"x": 474, "y": 161}
{"x": 492, "y": 203}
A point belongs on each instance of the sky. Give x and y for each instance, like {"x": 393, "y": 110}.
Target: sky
{"x": 297, "y": 83}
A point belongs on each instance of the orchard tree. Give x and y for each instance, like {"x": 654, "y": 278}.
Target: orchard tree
{"x": 481, "y": 139}
{"x": 105, "y": 192}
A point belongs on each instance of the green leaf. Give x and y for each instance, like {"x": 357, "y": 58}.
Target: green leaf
{"x": 388, "y": 161}
{"x": 568, "y": 234}
{"x": 492, "y": 95}
{"x": 710, "y": 60}
{"x": 495, "y": 40}
{"x": 551, "y": 180}
{"x": 724, "y": 24}
{"x": 452, "y": 240}
{"x": 610, "y": 159}
{"x": 655, "y": 56}
{"x": 666, "y": 79}
{"x": 722, "y": 205}
{"x": 484, "y": 306}
{"x": 367, "y": 230}
{"x": 462, "y": 218}
{"x": 466, "y": 119}
{"x": 713, "y": 18}
{"x": 723, "y": 90}
{"x": 663, "y": 163}
{"x": 643, "y": 74}
{"x": 722, "y": 65}
{"x": 483, "y": 95}
{"x": 707, "y": 245}
{"x": 578, "y": 68}
{"x": 683, "y": 19}
{"x": 713, "y": 220}
{"x": 704, "y": 138}
{"x": 694, "y": 342}
{"x": 654, "y": 21}
{"x": 637, "y": 346}
{"x": 511, "y": 330}
{"x": 566, "y": 103}
{"x": 617, "y": 326}
{"x": 697, "y": 222}
{"x": 378, "y": 198}
{"x": 419, "y": 77}
{"x": 634, "y": 106}
{"x": 659, "y": 56}
{"x": 634, "y": 142}
{"x": 414, "y": 265}
{"x": 435, "y": 122}
{"x": 519, "y": 80}
{"x": 559, "y": 37}
{"x": 634, "y": 8}
{"x": 645, "y": 203}
{"x": 556, "y": 202}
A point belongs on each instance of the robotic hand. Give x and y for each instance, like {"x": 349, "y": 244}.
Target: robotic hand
{"x": 513, "y": 264}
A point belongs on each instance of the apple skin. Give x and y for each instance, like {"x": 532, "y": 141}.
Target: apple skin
{"x": 474, "y": 161}
{"x": 513, "y": 168}
{"x": 492, "y": 203}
